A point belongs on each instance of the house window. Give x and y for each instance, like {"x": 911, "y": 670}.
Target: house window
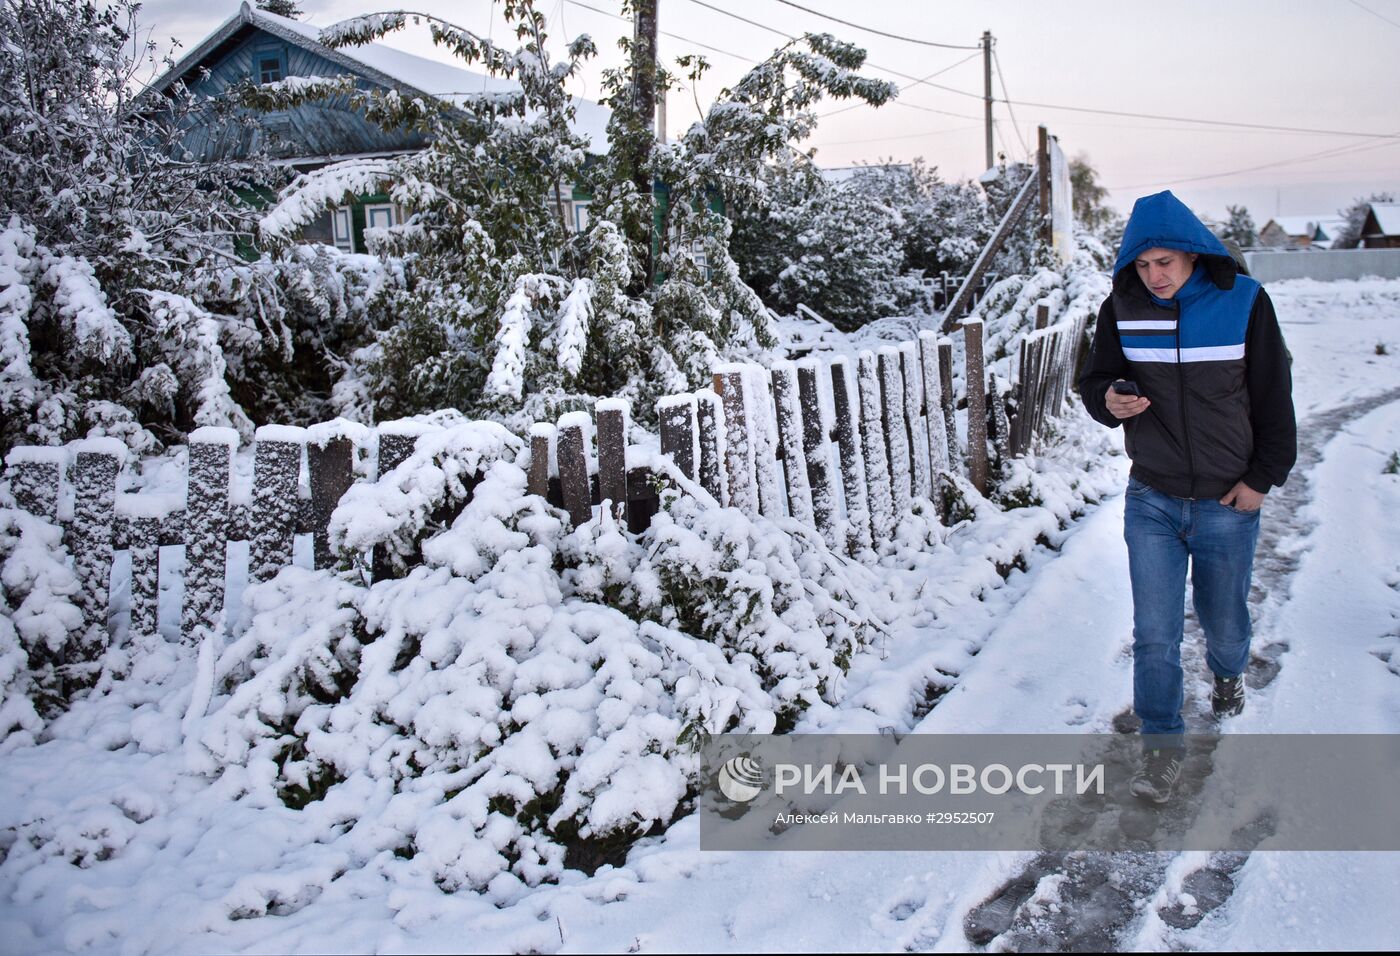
{"x": 580, "y": 216}
{"x": 342, "y": 228}
{"x": 268, "y": 65}
{"x": 381, "y": 216}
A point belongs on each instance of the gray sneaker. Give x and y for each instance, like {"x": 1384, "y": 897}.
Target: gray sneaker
{"x": 1157, "y": 775}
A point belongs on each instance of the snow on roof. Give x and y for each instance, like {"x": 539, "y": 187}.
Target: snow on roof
{"x": 1330, "y": 226}
{"x": 444, "y": 81}
{"x": 1387, "y": 217}
{"x": 1295, "y": 225}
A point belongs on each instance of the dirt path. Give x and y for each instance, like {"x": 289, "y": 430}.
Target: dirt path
{"x": 1089, "y": 901}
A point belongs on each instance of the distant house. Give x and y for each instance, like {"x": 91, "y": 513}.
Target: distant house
{"x": 1288, "y": 232}
{"x": 263, "y": 47}
{"x": 1301, "y": 232}
{"x": 1327, "y": 230}
{"x": 1381, "y": 230}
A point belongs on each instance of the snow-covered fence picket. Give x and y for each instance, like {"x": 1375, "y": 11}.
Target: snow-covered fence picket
{"x": 847, "y": 452}
{"x": 299, "y": 476}
{"x": 1047, "y": 369}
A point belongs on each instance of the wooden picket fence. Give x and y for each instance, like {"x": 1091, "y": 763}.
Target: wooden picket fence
{"x": 844, "y": 447}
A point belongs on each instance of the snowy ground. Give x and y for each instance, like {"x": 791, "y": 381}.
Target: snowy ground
{"x": 171, "y": 863}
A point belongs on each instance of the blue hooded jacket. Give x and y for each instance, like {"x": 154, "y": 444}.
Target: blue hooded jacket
{"x": 1211, "y": 361}
{"x": 1163, "y": 221}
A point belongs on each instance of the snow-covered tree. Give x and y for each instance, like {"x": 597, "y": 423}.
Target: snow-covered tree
{"x": 1355, "y": 216}
{"x": 944, "y": 224}
{"x": 507, "y": 314}
{"x": 1238, "y": 227}
{"x": 1091, "y": 209}
{"x": 106, "y": 220}
{"x": 855, "y": 250}
{"x": 283, "y": 8}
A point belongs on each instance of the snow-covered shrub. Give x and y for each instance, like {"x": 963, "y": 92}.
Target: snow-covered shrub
{"x": 38, "y": 616}
{"x": 531, "y": 693}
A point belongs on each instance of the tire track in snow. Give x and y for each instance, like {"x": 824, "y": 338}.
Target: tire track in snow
{"x": 1089, "y": 901}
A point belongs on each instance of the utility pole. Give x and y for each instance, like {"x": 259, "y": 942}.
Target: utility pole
{"x": 644, "y": 102}
{"x": 987, "y": 87}
{"x": 644, "y": 61}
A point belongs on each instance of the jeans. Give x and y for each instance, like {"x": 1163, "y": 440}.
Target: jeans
{"x": 1162, "y": 532}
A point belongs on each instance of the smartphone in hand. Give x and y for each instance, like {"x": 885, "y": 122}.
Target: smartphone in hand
{"x": 1128, "y": 388}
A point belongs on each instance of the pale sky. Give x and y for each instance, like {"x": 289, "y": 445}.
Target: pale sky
{"x": 1330, "y": 66}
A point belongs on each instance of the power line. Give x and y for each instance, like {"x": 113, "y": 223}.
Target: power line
{"x": 925, "y": 79}
{"x": 673, "y": 36}
{"x": 996, "y": 61}
{"x": 882, "y": 33}
{"x": 884, "y": 139}
{"x": 1347, "y": 150}
{"x": 752, "y": 23}
{"x": 1375, "y": 14}
{"x": 1210, "y": 122}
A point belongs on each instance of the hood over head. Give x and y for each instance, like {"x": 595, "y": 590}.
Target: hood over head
{"x": 1161, "y": 221}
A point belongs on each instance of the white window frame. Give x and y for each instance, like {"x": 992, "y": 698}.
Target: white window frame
{"x": 382, "y": 209}
{"x": 581, "y": 215}
{"x": 343, "y": 228}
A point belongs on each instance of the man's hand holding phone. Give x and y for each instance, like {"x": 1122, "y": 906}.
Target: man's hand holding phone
{"x": 1124, "y": 400}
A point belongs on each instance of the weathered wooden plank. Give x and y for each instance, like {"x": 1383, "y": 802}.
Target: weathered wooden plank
{"x": 896, "y": 431}
{"x": 276, "y": 481}
{"x": 542, "y": 437}
{"x": 709, "y": 417}
{"x": 573, "y": 466}
{"x": 816, "y": 452}
{"x": 762, "y": 427}
{"x": 642, "y": 500}
{"x": 330, "y": 466}
{"x": 976, "y": 405}
{"x": 678, "y": 431}
{"x": 877, "y": 465}
{"x": 612, "y": 454}
{"x": 206, "y": 530}
{"x": 143, "y": 547}
{"x": 845, "y": 401}
{"x": 1001, "y": 439}
{"x": 945, "y": 401}
{"x": 915, "y": 431}
{"x": 933, "y": 409}
{"x": 789, "y": 416}
{"x": 97, "y": 462}
{"x": 35, "y": 473}
{"x": 738, "y": 442}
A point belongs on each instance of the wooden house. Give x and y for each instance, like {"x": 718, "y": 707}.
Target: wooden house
{"x": 263, "y": 47}
{"x": 1381, "y": 230}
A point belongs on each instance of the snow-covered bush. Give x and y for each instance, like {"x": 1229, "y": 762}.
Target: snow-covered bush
{"x": 532, "y": 694}
{"x": 38, "y": 616}
{"x": 856, "y": 249}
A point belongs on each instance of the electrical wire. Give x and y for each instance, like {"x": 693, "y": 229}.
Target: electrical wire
{"x": 673, "y": 36}
{"x": 907, "y": 86}
{"x": 884, "y": 139}
{"x": 996, "y": 61}
{"x": 1348, "y": 150}
{"x": 1375, "y": 14}
{"x": 882, "y": 33}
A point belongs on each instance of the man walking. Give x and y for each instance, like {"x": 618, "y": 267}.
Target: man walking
{"x": 1189, "y": 359}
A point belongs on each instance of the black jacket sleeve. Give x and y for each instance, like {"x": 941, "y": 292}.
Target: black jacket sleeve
{"x": 1269, "y": 380}
{"x": 1106, "y": 364}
